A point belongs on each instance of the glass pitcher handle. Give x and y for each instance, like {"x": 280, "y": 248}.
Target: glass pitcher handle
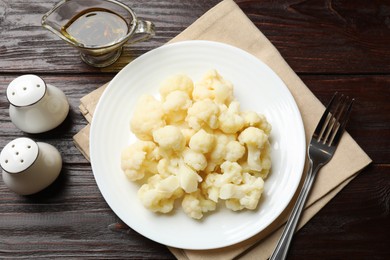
{"x": 143, "y": 32}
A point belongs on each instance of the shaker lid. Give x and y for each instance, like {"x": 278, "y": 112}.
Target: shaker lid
{"x": 26, "y": 90}
{"x": 18, "y": 155}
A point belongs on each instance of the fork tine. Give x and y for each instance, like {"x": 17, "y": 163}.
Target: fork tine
{"x": 334, "y": 118}
{"x": 318, "y": 132}
{"x": 330, "y": 124}
{"x": 343, "y": 122}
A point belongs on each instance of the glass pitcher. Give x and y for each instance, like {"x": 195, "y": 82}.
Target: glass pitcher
{"x": 97, "y": 28}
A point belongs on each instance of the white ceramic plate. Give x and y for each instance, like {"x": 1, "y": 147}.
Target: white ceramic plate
{"x": 257, "y": 88}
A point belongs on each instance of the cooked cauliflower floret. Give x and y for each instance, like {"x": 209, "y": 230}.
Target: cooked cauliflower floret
{"x": 148, "y": 116}
{"x": 139, "y": 158}
{"x": 178, "y": 82}
{"x": 254, "y": 139}
{"x": 196, "y": 160}
{"x": 209, "y": 186}
{"x": 159, "y": 194}
{"x": 265, "y": 162}
{"x": 169, "y": 138}
{"x": 251, "y": 118}
{"x": 217, "y": 155}
{"x": 231, "y": 174}
{"x": 203, "y": 113}
{"x": 245, "y": 195}
{"x": 186, "y": 130}
{"x": 197, "y": 145}
{"x": 234, "y": 151}
{"x": 175, "y": 106}
{"x": 213, "y": 87}
{"x": 239, "y": 189}
{"x": 195, "y": 204}
{"x": 164, "y": 167}
{"x": 187, "y": 176}
{"x": 230, "y": 120}
{"x": 202, "y": 141}
{"x": 265, "y": 159}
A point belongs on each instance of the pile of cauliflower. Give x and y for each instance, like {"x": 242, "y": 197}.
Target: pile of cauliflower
{"x": 196, "y": 145}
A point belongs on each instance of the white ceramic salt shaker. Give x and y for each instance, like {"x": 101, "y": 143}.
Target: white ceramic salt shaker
{"x": 35, "y": 106}
{"x": 29, "y": 166}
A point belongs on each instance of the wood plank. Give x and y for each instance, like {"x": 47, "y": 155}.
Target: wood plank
{"x": 333, "y": 45}
{"x": 369, "y": 122}
{"x": 326, "y": 36}
{"x": 60, "y": 224}
{"x": 354, "y": 223}
{"x": 21, "y": 32}
{"x": 313, "y": 36}
{"x": 72, "y": 234}
{"x": 69, "y": 219}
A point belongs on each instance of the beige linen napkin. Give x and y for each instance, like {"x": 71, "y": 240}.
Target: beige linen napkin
{"x": 227, "y": 23}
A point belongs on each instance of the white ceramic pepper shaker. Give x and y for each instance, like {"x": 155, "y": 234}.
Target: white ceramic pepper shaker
{"x": 29, "y": 166}
{"x": 35, "y": 106}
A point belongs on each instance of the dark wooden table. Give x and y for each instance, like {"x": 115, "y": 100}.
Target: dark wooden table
{"x": 341, "y": 45}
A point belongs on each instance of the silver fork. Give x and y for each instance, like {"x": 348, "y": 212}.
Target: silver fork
{"x": 322, "y": 146}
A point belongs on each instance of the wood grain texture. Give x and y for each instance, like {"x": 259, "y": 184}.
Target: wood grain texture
{"x": 370, "y": 118}
{"x": 42, "y": 49}
{"x": 325, "y": 36}
{"x": 314, "y": 36}
{"x": 333, "y": 45}
{"x": 354, "y": 224}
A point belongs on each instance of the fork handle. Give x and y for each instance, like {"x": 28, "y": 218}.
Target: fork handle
{"x": 283, "y": 245}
